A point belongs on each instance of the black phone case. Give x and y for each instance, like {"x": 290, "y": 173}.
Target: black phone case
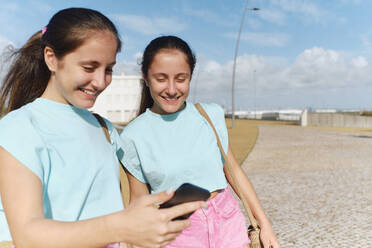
{"x": 187, "y": 192}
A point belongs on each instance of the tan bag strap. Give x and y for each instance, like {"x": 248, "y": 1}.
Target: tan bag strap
{"x": 6, "y": 244}
{"x": 123, "y": 176}
{"x": 229, "y": 169}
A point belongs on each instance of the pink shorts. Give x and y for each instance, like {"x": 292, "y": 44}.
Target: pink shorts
{"x": 221, "y": 226}
{"x": 116, "y": 245}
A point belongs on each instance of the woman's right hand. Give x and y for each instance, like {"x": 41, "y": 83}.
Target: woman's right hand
{"x": 145, "y": 225}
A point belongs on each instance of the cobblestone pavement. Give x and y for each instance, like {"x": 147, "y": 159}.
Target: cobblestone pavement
{"x": 315, "y": 185}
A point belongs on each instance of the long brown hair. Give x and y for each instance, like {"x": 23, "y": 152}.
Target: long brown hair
{"x": 28, "y": 75}
{"x": 154, "y": 47}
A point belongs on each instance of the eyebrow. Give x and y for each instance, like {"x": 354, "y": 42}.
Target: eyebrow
{"x": 183, "y": 74}
{"x": 165, "y": 74}
{"x": 95, "y": 63}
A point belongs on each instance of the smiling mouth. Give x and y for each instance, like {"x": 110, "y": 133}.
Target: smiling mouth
{"x": 89, "y": 92}
{"x": 170, "y": 99}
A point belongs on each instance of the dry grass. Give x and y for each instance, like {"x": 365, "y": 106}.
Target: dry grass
{"x": 244, "y": 135}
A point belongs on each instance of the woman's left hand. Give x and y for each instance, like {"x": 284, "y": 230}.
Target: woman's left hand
{"x": 268, "y": 237}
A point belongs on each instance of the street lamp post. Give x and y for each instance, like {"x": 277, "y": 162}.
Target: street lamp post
{"x": 234, "y": 65}
{"x": 255, "y": 101}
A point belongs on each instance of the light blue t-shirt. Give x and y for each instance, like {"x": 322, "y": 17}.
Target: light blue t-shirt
{"x": 66, "y": 148}
{"x": 169, "y": 150}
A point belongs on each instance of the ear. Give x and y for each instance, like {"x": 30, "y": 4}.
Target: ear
{"x": 50, "y": 59}
{"x": 145, "y": 80}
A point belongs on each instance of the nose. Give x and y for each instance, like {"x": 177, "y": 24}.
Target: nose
{"x": 172, "y": 87}
{"x": 100, "y": 80}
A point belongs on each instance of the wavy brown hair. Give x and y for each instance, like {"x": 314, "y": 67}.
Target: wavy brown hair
{"x": 28, "y": 75}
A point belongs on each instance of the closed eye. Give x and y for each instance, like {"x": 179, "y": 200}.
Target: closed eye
{"x": 181, "y": 80}
{"x": 182, "y": 77}
{"x": 88, "y": 68}
{"x": 160, "y": 79}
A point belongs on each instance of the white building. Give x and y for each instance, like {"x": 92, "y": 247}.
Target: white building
{"x": 279, "y": 115}
{"x": 120, "y": 101}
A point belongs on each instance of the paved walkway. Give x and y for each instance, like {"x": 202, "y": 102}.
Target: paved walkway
{"x": 315, "y": 185}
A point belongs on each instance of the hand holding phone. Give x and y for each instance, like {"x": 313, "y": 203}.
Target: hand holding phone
{"x": 187, "y": 192}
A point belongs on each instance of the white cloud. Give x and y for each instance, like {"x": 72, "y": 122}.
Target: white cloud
{"x": 359, "y": 61}
{"x": 128, "y": 68}
{"x": 4, "y": 56}
{"x": 263, "y": 39}
{"x": 320, "y": 68}
{"x": 318, "y": 77}
{"x": 4, "y": 42}
{"x": 273, "y": 16}
{"x": 138, "y": 56}
{"x": 213, "y": 67}
{"x": 304, "y": 8}
{"x": 317, "y": 57}
{"x": 150, "y": 26}
{"x": 315, "y": 71}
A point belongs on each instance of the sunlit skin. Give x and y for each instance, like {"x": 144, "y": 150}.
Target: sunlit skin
{"x": 169, "y": 81}
{"x": 81, "y": 75}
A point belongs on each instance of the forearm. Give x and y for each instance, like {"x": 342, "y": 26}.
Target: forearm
{"x": 267, "y": 234}
{"x": 96, "y": 232}
{"x": 252, "y": 198}
{"x": 247, "y": 189}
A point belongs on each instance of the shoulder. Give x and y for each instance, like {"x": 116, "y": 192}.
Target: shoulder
{"x": 16, "y": 120}
{"x": 213, "y": 107}
{"x": 110, "y": 126}
{"x": 136, "y": 126}
{"x": 214, "y": 110}
{"x": 217, "y": 115}
{"x": 19, "y": 137}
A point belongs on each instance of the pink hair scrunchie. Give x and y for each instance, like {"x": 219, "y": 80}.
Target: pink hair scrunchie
{"x": 43, "y": 30}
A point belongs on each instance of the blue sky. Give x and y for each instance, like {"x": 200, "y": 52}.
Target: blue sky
{"x": 292, "y": 54}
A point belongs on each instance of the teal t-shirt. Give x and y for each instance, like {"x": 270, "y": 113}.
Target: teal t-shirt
{"x": 66, "y": 149}
{"x": 169, "y": 150}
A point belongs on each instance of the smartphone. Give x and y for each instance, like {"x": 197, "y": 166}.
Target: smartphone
{"x": 187, "y": 192}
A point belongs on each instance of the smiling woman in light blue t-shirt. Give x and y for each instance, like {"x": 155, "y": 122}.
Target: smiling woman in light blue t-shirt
{"x": 170, "y": 143}
{"x": 59, "y": 179}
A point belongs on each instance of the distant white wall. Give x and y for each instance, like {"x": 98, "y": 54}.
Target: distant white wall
{"x": 304, "y": 118}
{"x": 119, "y": 102}
{"x": 338, "y": 120}
{"x": 280, "y": 115}
{"x": 289, "y": 117}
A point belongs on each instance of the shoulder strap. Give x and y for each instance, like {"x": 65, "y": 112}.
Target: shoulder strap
{"x": 124, "y": 184}
{"x": 229, "y": 169}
